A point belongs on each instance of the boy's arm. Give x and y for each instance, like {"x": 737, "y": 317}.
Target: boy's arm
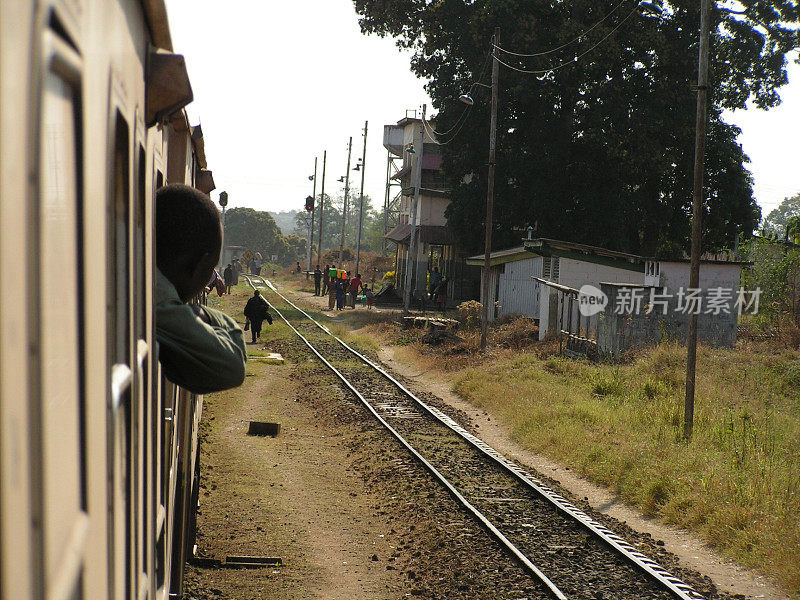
{"x": 201, "y": 354}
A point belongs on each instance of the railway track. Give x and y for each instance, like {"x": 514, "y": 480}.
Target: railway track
{"x": 569, "y": 553}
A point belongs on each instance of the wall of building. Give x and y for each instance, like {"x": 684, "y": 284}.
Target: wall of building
{"x": 518, "y": 292}
{"x": 575, "y": 274}
{"x": 675, "y": 275}
{"x": 431, "y": 211}
{"x": 619, "y": 333}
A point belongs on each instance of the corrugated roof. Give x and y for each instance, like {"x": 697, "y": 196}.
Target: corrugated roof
{"x": 500, "y": 257}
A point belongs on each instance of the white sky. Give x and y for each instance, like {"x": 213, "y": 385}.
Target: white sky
{"x": 276, "y": 83}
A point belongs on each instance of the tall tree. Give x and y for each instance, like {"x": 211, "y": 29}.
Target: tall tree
{"x": 778, "y": 219}
{"x": 597, "y": 144}
{"x": 257, "y": 231}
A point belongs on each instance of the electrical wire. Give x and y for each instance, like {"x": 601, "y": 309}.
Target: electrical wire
{"x": 459, "y": 123}
{"x": 562, "y": 46}
{"x": 569, "y": 62}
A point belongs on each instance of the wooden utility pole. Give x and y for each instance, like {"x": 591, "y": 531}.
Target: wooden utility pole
{"x": 361, "y": 197}
{"x": 344, "y": 206}
{"x": 411, "y": 263}
{"x": 322, "y": 206}
{"x": 313, "y": 206}
{"x": 490, "y": 191}
{"x": 697, "y": 207}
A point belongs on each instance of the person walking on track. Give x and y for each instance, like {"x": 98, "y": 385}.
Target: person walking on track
{"x": 317, "y": 280}
{"x": 257, "y": 311}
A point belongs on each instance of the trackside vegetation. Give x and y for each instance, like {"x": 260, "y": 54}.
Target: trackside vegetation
{"x": 737, "y": 483}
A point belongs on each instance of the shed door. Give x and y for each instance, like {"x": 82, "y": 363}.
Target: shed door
{"x": 519, "y": 294}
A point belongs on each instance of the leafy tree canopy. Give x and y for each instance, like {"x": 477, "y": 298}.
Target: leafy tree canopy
{"x": 256, "y": 230}
{"x": 778, "y": 220}
{"x": 596, "y": 146}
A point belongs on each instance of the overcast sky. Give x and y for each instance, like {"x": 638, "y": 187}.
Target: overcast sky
{"x": 276, "y": 83}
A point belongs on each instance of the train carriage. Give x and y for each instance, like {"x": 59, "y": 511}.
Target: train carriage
{"x": 97, "y": 450}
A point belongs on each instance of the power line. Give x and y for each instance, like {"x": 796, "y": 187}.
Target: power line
{"x": 569, "y": 62}
{"x": 562, "y": 46}
{"x": 459, "y": 123}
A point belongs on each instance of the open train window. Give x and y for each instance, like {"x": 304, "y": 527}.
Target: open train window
{"x": 60, "y": 414}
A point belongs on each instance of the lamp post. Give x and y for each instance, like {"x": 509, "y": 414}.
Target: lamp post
{"x": 346, "y": 192}
{"x": 363, "y": 166}
{"x": 411, "y": 263}
{"x": 321, "y": 207}
{"x": 313, "y": 205}
{"x": 697, "y": 207}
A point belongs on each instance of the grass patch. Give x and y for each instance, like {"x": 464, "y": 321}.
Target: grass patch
{"x": 737, "y": 483}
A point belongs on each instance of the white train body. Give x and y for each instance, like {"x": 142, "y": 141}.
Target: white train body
{"x": 97, "y": 451}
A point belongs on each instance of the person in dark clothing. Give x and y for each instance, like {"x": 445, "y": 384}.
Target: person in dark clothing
{"x": 257, "y": 311}
{"x": 227, "y": 275}
{"x": 339, "y": 286}
{"x": 325, "y": 280}
{"x": 433, "y": 282}
{"x": 199, "y": 348}
{"x": 317, "y": 280}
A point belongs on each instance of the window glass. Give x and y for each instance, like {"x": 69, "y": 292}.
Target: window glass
{"x": 60, "y": 321}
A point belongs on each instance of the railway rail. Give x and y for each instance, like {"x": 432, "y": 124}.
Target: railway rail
{"x": 563, "y": 548}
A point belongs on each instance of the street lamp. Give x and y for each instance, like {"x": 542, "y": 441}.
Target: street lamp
{"x": 362, "y": 162}
{"x": 311, "y": 223}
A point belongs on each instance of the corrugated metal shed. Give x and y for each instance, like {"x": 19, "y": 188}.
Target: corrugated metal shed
{"x": 518, "y": 293}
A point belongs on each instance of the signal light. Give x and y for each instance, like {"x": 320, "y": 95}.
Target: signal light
{"x": 310, "y": 203}
{"x": 223, "y": 199}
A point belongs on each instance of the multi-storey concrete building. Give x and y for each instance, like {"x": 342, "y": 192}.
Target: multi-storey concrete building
{"x": 435, "y": 243}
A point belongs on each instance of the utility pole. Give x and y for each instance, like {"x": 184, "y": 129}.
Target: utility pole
{"x": 361, "y": 197}
{"x": 346, "y": 193}
{"x": 321, "y": 207}
{"x": 311, "y": 226}
{"x": 411, "y": 263}
{"x": 697, "y": 207}
{"x": 386, "y": 203}
{"x": 490, "y": 191}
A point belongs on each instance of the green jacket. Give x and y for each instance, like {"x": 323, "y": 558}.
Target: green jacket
{"x": 198, "y": 356}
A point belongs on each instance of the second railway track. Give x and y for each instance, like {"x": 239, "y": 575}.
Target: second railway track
{"x": 570, "y": 554}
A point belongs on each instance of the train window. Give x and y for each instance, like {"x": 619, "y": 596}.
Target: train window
{"x": 60, "y": 340}
{"x": 119, "y": 245}
{"x": 139, "y": 266}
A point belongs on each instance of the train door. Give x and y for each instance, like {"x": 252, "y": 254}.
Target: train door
{"x": 57, "y": 421}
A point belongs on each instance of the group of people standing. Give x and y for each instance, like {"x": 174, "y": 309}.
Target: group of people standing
{"x": 337, "y": 283}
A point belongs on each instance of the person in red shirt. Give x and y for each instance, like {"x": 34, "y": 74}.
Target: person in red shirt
{"x": 355, "y": 286}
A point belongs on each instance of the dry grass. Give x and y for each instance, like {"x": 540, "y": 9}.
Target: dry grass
{"x": 737, "y": 483}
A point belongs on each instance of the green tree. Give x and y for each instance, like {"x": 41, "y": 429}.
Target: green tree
{"x": 778, "y": 219}
{"x": 598, "y": 145}
{"x": 258, "y": 232}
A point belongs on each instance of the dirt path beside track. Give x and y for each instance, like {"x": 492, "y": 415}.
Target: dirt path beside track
{"x": 292, "y": 496}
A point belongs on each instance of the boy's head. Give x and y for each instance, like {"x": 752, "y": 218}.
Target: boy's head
{"x": 188, "y": 238}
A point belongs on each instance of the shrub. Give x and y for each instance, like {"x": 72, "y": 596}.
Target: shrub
{"x": 469, "y": 313}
